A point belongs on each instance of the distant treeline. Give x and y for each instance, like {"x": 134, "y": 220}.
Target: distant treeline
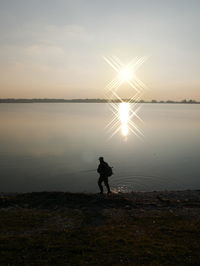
{"x": 13, "y": 100}
{"x": 45, "y": 100}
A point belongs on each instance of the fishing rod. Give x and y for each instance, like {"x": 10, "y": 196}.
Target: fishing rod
{"x": 84, "y": 171}
{"x": 81, "y": 171}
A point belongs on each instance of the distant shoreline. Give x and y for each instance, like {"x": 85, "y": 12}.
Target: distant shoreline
{"x": 45, "y": 100}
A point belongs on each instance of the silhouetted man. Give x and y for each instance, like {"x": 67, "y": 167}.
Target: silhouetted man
{"x": 103, "y": 170}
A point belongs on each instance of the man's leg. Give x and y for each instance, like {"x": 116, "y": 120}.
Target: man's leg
{"x": 100, "y": 184}
{"x": 106, "y": 184}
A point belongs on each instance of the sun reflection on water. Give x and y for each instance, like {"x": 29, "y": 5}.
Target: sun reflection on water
{"x": 124, "y": 115}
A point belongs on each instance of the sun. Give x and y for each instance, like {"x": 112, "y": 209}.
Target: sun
{"x": 125, "y": 74}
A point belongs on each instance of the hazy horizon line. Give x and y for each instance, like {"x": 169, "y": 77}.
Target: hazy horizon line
{"x": 90, "y": 100}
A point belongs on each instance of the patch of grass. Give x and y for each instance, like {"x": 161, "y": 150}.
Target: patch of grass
{"x": 140, "y": 241}
{"x": 22, "y": 219}
{"x": 79, "y": 229}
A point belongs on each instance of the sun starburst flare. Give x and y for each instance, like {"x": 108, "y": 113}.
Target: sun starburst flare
{"x": 125, "y": 117}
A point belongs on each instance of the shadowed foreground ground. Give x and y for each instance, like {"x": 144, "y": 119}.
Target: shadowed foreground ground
{"x": 55, "y": 228}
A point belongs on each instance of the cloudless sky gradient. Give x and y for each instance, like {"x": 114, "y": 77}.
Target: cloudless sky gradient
{"x": 54, "y": 49}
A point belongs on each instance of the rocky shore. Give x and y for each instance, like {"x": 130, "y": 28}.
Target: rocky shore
{"x": 138, "y": 228}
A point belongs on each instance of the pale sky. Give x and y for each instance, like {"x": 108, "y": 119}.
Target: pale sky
{"x": 55, "y": 49}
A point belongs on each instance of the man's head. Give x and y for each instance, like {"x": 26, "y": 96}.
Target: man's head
{"x": 101, "y": 159}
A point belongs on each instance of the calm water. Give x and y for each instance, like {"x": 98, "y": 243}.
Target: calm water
{"x": 56, "y": 147}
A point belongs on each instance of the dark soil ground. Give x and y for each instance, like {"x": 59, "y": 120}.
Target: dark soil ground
{"x": 142, "y": 228}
